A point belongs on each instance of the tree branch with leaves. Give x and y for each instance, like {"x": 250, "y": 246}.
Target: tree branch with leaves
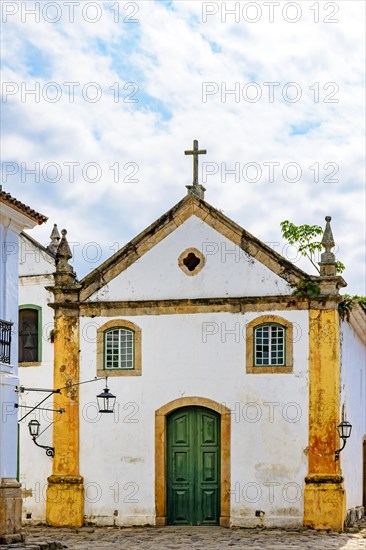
{"x": 304, "y": 238}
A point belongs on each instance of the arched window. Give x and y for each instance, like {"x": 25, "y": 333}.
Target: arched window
{"x": 30, "y": 327}
{"x": 119, "y": 349}
{"x": 269, "y": 345}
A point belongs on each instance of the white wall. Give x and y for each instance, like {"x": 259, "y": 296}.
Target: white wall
{"x": 12, "y": 222}
{"x": 33, "y": 262}
{"x": 353, "y": 399}
{"x": 9, "y": 373}
{"x": 117, "y": 453}
{"x": 228, "y": 271}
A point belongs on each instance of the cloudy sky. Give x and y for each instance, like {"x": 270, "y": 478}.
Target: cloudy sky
{"x": 100, "y": 100}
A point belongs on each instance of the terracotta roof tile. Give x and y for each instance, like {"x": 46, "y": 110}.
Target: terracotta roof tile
{"x": 6, "y": 198}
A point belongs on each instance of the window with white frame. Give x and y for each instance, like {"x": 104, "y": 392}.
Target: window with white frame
{"x": 269, "y": 345}
{"x": 119, "y": 348}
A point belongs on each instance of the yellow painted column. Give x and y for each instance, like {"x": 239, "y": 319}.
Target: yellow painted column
{"x": 324, "y": 498}
{"x": 65, "y": 492}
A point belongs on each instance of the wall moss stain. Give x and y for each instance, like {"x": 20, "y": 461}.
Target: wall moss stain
{"x": 132, "y": 460}
{"x": 291, "y": 511}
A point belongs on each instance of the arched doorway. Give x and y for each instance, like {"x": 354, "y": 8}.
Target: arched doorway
{"x": 205, "y": 495}
{"x": 193, "y": 467}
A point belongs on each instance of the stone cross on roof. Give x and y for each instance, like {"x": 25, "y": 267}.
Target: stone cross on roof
{"x": 196, "y": 188}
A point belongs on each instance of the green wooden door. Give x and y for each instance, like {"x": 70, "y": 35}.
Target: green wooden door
{"x": 193, "y": 467}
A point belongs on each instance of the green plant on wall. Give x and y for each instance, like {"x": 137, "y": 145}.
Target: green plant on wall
{"x": 304, "y": 238}
{"x": 348, "y": 303}
{"x": 307, "y": 289}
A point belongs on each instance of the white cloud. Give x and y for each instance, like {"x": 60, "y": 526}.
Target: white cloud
{"x": 172, "y": 53}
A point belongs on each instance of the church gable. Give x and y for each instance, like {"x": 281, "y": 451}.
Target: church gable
{"x": 193, "y": 251}
{"x": 195, "y": 261}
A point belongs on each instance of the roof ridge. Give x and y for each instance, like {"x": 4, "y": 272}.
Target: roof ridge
{"x": 7, "y": 198}
{"x": 38, "y": 244}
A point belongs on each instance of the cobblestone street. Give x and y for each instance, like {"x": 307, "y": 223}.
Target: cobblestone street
{"x": 210, "y": 538}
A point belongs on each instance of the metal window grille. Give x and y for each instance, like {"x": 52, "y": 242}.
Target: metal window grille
{"x": 5, "y": 341}
{"x": 269, "y": 345}
{"x": 119, "y": 348}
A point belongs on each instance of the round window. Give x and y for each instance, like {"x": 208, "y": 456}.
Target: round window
{"x": 191, "y": 261}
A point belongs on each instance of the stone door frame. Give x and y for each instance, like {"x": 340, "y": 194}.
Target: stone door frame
{"x": 160, "y": 455}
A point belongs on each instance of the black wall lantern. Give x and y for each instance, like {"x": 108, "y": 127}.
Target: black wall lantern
{"x": 106, "y": 400}
{"x": 33, "y": 426}
{"x": 344, "y": 430}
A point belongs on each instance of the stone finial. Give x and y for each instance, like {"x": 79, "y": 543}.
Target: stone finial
{"x": 63, "y": 255}
{"x": 327, "y": 260}
{"x": 55, "y": 240}
{"x": 66, "y": 288}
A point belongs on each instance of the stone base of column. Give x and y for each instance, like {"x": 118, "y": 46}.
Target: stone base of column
{"x": 160, "y": 521}
{"x": 65, "y": 501}
{"x": 10, "y": 506}
{"x": 324, "y": 502}
{"x": 224, "y": 521}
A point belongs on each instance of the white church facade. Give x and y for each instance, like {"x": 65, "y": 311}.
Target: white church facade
{"x": 229, "y": 388}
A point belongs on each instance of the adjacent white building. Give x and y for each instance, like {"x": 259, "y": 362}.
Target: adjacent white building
{"x": 14, "y": 218}
{"x": 37, "y": 265}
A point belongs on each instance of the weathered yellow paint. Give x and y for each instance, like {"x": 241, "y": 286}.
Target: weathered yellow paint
{"x": 325, "y": 503}
{"x": 65, "y": 501}
{"x": 324, "y": 498}
{"x": 65, "y": 498}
